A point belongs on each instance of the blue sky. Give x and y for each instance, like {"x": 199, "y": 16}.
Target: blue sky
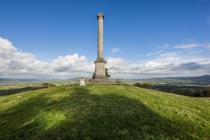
{"x": 139, "y": 34}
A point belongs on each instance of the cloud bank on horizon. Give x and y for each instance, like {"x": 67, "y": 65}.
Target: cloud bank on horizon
{"x": 18, "y": 64}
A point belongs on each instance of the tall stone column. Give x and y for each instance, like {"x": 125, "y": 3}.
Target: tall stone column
{"x": 100, "y": 71}
{"x": 100, "y": 18}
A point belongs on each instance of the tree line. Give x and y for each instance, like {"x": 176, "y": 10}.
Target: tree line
{"x": 194, "y": 91}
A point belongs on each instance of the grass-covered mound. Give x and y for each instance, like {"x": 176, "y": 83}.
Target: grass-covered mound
{"x": 103, "y": 112}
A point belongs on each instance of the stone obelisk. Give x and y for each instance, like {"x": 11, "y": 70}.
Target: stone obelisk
{"x": 100, "y": 71}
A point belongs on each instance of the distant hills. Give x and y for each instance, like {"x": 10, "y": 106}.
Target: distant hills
{"x": 198, "y": 80}
{"x": 204, "y": 78}
{"x": 175, "y": 81}
{"x": 9, "y": 80}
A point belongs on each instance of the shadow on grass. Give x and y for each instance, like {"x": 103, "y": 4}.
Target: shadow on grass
{"x": 19, "y": 90}
{"x": 82, "y": 115}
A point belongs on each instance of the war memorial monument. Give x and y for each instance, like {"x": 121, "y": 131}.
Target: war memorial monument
{"x": 100, "y": 63}
{"x": 100, "y": 75}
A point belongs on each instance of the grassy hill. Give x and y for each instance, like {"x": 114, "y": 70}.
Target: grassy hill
{"x": 103, "y": 112}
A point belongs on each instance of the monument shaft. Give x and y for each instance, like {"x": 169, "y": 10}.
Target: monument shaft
{"x": 100, "y": 35}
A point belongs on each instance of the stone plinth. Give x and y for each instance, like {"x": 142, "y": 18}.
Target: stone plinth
{"x": 100, "y": 72}
{"x": 103, "y": 81}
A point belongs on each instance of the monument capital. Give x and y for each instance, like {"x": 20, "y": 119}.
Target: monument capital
{"x": 100, "y": 15}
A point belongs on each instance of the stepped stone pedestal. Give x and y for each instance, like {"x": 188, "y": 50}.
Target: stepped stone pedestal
{"x": 100, "y": 71}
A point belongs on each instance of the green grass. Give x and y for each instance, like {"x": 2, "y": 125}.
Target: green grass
{"x": 103, "y": 112}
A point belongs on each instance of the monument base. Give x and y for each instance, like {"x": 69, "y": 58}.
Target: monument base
{"x": 100, "y": 80}
{"x": 103, "y": 81}
{"x": 100, "y": 77}
{"x": 100, "y": 71}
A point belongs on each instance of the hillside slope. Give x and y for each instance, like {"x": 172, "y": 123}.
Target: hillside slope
{"x": 103, "y": 112}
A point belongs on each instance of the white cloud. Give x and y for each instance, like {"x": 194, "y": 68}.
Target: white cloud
{"x": 115, "y": 61}
{"x": 162, "y": 48}
{"x": 115, "y": 50}
{"x": 187, "y": 46}
{"x": 168, "y": 54}
{"x": 17, "y": 63}
{"x": 74, "y": 63}
{"x": 168, "y": 64}
{"x": 208, "y": 45}
{"x": 155, "y": 53}
{"x": 193, "y": 45}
